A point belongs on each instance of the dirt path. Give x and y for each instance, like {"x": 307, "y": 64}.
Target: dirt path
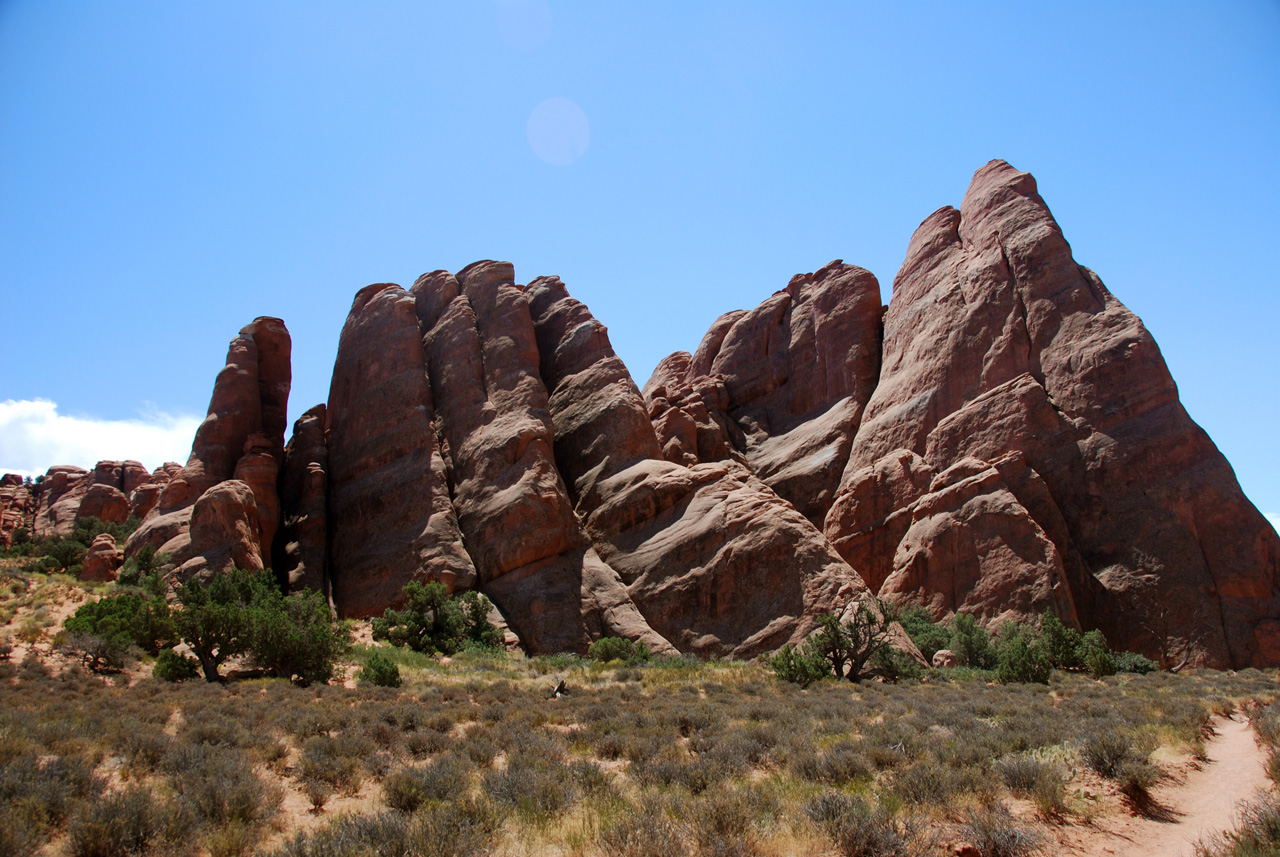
{"x": 1203, "y": 804}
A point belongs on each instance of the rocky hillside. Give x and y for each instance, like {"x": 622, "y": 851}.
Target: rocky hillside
{"x": 1003, "y": 439}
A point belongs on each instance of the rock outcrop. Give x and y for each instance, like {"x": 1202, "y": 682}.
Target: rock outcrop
{"x": 103, "y": 559}
{"x": 242, "y": 439}
{"x": 1002, "y": 440}
{"x": 997, "y": 341}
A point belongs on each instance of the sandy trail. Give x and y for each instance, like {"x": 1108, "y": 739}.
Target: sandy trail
{"x": 1204, "y": 804}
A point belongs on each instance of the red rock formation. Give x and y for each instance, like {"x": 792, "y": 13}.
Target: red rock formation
{"x": 793, "y": 375}
{"x": 103, "y": 559}
{"x": 716, "y": 562}
{"x": 996, "y": 341}
{"x": 58, "y": 498}
{"x": 245, "y": 424}
{"x": 302, "y": 548}
{"x": 515, "y": 514}
{"x": 15, "y": 507}
{"x": 224, "y": 531}
{"x": 104, "y": 502}
{"x": 390, "y": 518}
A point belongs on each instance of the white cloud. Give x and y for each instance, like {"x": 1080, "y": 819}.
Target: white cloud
{"x": 1274, "y": 518}
{"x": 34, "y": 437}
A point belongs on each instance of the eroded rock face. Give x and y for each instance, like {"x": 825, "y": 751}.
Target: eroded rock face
{"x": 302, "y": 551}
{"x": 15, "y": 507}
{"x": 716, "y": 562}
{"x": 104, "y": 502}
{"x": 517, "y": 520}
{"x": 224, "y": 531}
{"x": 103, "y": 559}
{"x": 241, "y": 438}
{"x": 390, "y": 518}
{"x": 783, "y": 385}
{"x": 58, "y": 499}
{"x": 997, "y": 341}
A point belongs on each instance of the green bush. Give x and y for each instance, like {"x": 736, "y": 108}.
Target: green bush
{"x": 129, "y": 618}
{"x": 801, "y": 666}
{"x": 380, "y": 671}
{"x": 928, "y": 636}
{"x": 432, "y": 621}
{"x": 171, "y": 666}
{"x": 1059, "y": 643}
{"x": 618, "y": 649}
{"x": 295, "y": 637}
{"x": 971, "y": 644}
{"x": 1132, "y": 662}
{"x": 1021, "y": 657}
{"x": 244, "y": 612}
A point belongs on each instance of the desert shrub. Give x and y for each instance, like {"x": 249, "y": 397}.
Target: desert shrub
{"x": 142, "y": 568}
{"x": 62, "y": 553}
{"x": 644, "y": 832}
{"x": 971, "y": 644}
{"x": 533, "y": 787}
{"x": 995, "y": 833}
{"x": 802, "y": 666}
{"x": 126, "y": 823}
{"x": 894, "y": 665}
{"x": 326, "y": 759}
{"x": 87, "y": 529}
{"x": 100, "y": 653}
{"x": 218, "y": 785}
{"x": 860, "y": 830}
{"x": 1132, "y": 662}
{"x": 171, "y": 666}
{"x": 409, "y": 788}
{"x": 724, "y": 821}
{"x": 1135, "y": 778}
{"x": 1095, "y": 654}
{"x": 1020, "y": 658}
{"x": 18, "y": 837}
{"x": 433, "y": 621}
{"x": 45, "y": 790}
{"x": 1040, "y": 782}
{"x": 1104, "y": 752}
{"x": 128, "y": 620}
{"x": 457, "y": 828}
{"x": 928, "y": 636}
{"x": 245, "y": 612}
{"x": 381, "y": 835}
{"x": 1060, "y": 644}
{"x": 608, "y": 649}
{"x": 295, "y": 636}
{"x": 839, "y": 764}
{"x": 379, "y": 671}
{"x": 1256, "y": 833}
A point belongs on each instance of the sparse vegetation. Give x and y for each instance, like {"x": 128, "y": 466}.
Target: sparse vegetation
{"x": 433, "y": 621}
{"x": 665, "y": 755}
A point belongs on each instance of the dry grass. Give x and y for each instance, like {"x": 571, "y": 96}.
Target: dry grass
{"x": 473, "y": 754}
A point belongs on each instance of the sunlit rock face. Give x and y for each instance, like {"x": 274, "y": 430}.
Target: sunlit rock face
{"x": 1003, "y": 439}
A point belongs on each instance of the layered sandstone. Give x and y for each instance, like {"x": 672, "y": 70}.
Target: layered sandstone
{"x": 1002, "y": 440}
{"x": 242, "y": 439}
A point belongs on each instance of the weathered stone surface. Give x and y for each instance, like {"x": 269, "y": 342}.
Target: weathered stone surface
{"x": 796, "y": 373}
{"x": 302, "y": 546}
{"x": 259, "y": 469}
{"x": 248, "y": 401}
{"x": 716, "y": 562}
{"x": 16, "y": 507}
{"x": 104, "y": 502}
{"x": 58, "y": 500}
{"x": 512, "y": 505}
{"x": 144, "y": 498}
{"x": 224, "y": 531}
{"x": 996, "y": 341}
{"x": 103, "y": 559}
{"x": 390, "y": 518}
{"x": 516, "y": 517}
{"x": 134, "y": 476}
{"x": 971, "y": 547}
{"x": 109, "y": 473}
{"x": 944, "y": 659}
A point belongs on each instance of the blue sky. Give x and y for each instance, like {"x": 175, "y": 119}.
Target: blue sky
{"x": 168, "y": 171}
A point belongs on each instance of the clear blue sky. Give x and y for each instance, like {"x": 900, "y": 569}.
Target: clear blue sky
{"x": 168, "y": 171}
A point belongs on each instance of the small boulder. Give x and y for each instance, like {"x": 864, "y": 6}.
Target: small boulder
{"x": 103, "y": 560}
{"x": 944, "y": 658}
